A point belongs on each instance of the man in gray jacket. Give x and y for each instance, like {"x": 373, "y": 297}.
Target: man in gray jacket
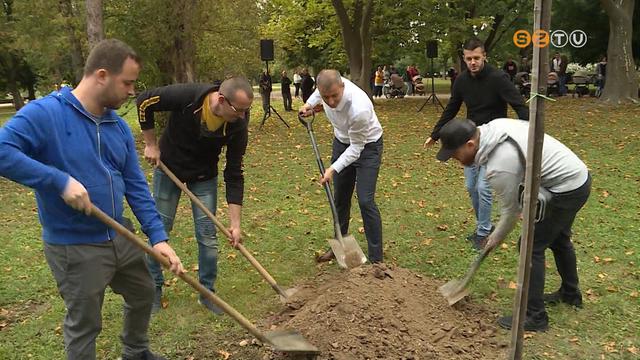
{"x": 501, "y": 146}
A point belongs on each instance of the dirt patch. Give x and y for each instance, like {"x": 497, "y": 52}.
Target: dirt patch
{"x": 376, "y": 312}
{"x": 21, "y": 312}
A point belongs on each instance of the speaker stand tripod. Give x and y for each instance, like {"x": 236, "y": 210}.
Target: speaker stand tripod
{"x": 433, "y": 97}
{"x": 267, "y": 114}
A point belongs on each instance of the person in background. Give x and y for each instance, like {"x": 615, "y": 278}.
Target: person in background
{"x": 297, "y": 79}
{"x": 307, "y": 85}
{"x": 378, "y": 82}
{"x": 285, "y": 83}
{"x": 510, "y": 68}
{"x": 601, "y": 75}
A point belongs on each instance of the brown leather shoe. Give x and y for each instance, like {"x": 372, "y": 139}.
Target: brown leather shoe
{"x": 327, "y": 256}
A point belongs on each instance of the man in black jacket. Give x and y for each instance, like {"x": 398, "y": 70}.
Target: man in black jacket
{"x": 285, "y": 82}
{"x": 486, "y": 91}
{"x": 203, "y": 118}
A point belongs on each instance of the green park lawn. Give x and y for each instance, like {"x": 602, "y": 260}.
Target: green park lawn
{"x": 426, "y": 215}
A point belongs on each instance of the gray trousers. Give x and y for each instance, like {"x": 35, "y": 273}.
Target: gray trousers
{"x": 82, "y": 273}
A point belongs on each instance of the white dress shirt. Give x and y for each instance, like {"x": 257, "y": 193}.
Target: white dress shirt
{"x": 354, "y": 122}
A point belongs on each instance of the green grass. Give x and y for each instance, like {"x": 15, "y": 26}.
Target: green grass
{"x": 286, "y": 220}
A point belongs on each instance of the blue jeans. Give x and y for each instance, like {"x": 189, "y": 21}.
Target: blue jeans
{"x": 562, "y": 84}
{"x": 480, "y": 192}
{"x": 167, "y": 194}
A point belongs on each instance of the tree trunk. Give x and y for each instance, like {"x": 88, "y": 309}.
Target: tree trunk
{"x": 357, "y": 40}
{"x": 183, "y": 49}
{"x": 621, "y": 79}
{"x": 77, "y": 59}
{"x": 95, "y": 29}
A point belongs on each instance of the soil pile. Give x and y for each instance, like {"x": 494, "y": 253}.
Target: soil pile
{"x": 377, "y": 312}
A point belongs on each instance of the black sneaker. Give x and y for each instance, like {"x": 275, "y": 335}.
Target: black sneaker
{"x": 530, "y": 324}
{"x": 479, "y": 242}
{"x": 557, "y": 297}
{"x": 145, "y": 355}
{"x": 157, "y": 300}
{"x": 210, "y": 305}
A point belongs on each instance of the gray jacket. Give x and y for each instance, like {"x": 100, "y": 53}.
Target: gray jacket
{"x": 561, "y": 171}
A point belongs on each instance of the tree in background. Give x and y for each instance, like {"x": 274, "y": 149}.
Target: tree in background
{"x": 95, "y": 29}
{"x": 622, "y": 80}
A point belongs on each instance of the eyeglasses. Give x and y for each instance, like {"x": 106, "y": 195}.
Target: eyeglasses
{"x": 238, "y": 111}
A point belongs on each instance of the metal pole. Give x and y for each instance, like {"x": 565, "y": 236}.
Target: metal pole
{"x": 542, "y": 18}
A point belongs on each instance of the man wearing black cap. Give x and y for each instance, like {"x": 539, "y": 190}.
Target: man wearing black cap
{"x": 501, "y": 147}
{"x": 486, "y": 91}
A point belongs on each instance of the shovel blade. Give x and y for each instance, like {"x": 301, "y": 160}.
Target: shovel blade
{"x": 454, "y": 291}
{"x": 348, "y": 253}
{"x": 290, "y": 341}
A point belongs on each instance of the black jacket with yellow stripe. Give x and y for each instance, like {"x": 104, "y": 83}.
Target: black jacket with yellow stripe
{"x": 186, "y": 147}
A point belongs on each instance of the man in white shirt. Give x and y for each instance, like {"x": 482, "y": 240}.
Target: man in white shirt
{"x": 357, "y": 153}
{"x": 501, "y": 146}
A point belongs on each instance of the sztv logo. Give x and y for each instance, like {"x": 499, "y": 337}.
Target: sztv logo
{"x": 558, "y": 38}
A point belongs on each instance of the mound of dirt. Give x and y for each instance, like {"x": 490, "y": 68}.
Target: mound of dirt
{"x": 379, "y": 312}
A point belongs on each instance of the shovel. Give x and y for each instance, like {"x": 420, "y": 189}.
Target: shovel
{"x": 455, "y": 290}
{"x": 288, "y": 341}
{"x": 346, "y": 249}
{"x": 284, "y": 294}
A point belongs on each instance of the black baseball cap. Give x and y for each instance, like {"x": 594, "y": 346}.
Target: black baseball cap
{"x": 454, "y": 134}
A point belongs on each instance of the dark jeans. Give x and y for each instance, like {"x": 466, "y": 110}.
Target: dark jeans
{"x": 363, "y": 175}
{"x": 554, "y": 232}
{"x": 82, "y": 273}
{"x": 286, "y": 97}
{"x": 297, "y": 89}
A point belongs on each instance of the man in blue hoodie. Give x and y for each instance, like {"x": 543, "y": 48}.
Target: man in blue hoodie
{"x": 74, "y": 151}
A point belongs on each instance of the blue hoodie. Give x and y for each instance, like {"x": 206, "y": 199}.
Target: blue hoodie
{"x": 53, "y": 138}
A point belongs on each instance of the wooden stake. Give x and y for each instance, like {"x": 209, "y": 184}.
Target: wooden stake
{"x": 540, "y": 68}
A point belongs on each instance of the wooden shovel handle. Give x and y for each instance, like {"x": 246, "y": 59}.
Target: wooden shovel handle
{"x": 188, "y": 279}
{"x": 263, "y": 272}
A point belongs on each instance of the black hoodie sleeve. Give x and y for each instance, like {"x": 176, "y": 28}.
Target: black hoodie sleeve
{"x": 511, "y": 96}
{"x": 451, "y": 110}
{"x": 166, "y": 98}
{"x": 234, "y": 170}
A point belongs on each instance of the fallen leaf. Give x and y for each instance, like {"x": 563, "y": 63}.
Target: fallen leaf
{"x": 504, "y": 246}
{"x": 225, "y": 355}
{"x": 361, "y": 230}
{"x": 244, "y": 343}
{"x": 629, "y": 253}
{"x": 164, "y": 303}
{"x": 596, "y": 259}
{"x": 602, "y": 276}
{"x": 443, "y": 227}
{"x": 633, "y": 350}
{"x": 512, "y": 285}
{"x": 427, "y": 241}
{"x": 634, "y": 294}
{"x": 607, "y": 260}
{"x": 231, "y": 256}
{"x": 605, "y": 194}
{"x": 612, "y": 289}
{"x": 574, "y": 339}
